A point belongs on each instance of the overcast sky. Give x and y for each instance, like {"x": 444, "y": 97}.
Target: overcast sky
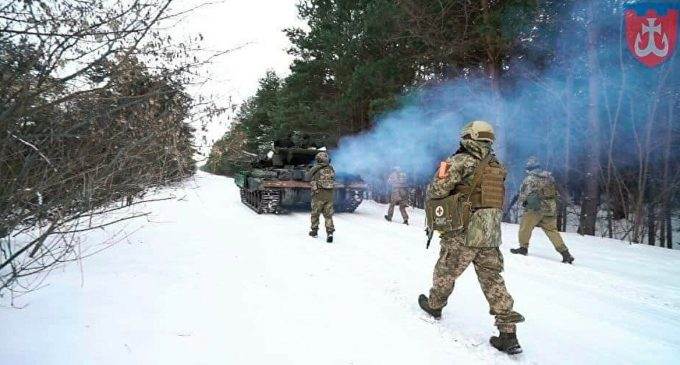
{"x": 256, "y": 26}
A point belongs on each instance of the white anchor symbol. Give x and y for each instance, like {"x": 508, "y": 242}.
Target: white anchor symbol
{"x": 651, "y": 47}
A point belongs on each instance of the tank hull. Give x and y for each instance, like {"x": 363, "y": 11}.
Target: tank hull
{"x": 281, "y": 196}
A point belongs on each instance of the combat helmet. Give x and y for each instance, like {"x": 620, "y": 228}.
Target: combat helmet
{"x": 532, "y": 163}
{"x": 322, "y": 157}
{"x": 478, "y": 130}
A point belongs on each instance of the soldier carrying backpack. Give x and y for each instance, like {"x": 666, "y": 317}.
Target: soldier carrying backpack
{"x": 464, "y": 202}
{"x": 399, "y": 195}
{"x": 322, "y": 181}
{"x": 538, "y": 196}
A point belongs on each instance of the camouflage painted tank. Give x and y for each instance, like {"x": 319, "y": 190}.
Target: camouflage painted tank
{"x": 276, "y": 182}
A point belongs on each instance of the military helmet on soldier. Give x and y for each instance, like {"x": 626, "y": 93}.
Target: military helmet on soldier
{"x": 478, "y": 130}
{"x": 322, "y": 157}
{"x": 532, "y": 163}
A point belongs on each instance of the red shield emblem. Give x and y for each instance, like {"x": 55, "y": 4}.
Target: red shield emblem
{"x": 651, "y": 33}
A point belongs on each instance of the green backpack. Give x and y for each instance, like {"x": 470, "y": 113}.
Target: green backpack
{"x": 533, "y": 203}
{"x": 453, "y": 212}
{"x": 447, "y": 214}
{"x": 535, "y": 200}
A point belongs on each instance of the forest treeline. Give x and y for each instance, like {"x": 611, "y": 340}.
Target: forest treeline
{"x": 358, "y": 58}
{"x": 602, "y": 122}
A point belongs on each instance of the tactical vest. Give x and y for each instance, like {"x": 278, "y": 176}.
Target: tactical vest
{"x": 325, "y": 178}
{"x": 487, "y": 190}
{"x": 488, "y": 186}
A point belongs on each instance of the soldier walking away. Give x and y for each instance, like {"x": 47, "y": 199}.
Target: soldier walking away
{"x": 399, "y": 196}
{"x": 475, "y": 179}
{"x": 538, "y": 196}
{"x": 322, "y": 179}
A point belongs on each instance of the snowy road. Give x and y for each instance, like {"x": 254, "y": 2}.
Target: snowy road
{"x": 210, "y": 282}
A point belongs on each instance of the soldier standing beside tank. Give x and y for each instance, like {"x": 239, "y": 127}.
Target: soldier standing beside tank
{"x": 475, "y": 242}
{"x": 538, "y": 196}
{"x": 399, "y": 196}
{"x": 322, "y": 179}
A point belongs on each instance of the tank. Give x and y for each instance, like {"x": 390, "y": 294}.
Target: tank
{"x": 276, "y": 182}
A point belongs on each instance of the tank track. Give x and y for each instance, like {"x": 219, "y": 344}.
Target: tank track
{"x": 262, "y": 201}
{"x": 349, "y": 205}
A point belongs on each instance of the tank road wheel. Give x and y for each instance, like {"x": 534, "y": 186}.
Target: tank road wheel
{"x": 262, "y": 201}
{"x": 271, "y": 200}
{"x": 251, "y": 200}
{"x": 351, "y": 202}
{"x": 258, "y": 202}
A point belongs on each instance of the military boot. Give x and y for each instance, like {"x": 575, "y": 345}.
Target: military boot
{"x": 567, "y": 258}
{"x": 314, "y": 233}
{"x": 387, "y": 218}
{"x": 425, "y": 305}
{"x": 506, "y": 342}
{"x": 406, "y": 222}
{"x": 520, "y": 251}
{"x": 329, "y": 238}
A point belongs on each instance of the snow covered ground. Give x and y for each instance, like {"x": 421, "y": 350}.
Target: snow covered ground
{"x": 207, "y": 281}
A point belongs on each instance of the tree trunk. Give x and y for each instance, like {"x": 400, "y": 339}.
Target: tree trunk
{"x": 651, "y": 224}
{"x": 493, "y": 72}
{"x": 662, "y": 228}
{"x": 666, "y": 193}
{"x": 561, "y": 217}
{"x": 589, "y": 204}
{"x": 565, "y": 201}
{"x": 669, "y": 228}
{"x": 645, "y": 164}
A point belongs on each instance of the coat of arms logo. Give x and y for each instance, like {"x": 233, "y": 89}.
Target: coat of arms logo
{"x": 651, "y": 32}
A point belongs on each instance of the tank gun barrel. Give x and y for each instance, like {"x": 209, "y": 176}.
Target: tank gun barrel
{"x": 249, "y": 153}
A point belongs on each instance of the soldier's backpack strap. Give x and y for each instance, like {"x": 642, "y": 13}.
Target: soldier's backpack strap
{"x": 468, "y": 190}
{"x": 478, "y": 173}
{"x": 312, "y": 172}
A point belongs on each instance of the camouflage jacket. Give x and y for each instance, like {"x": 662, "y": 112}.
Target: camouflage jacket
{"x": 542, "y": 185}
{"x": 484, "y": 229}
{"x": 397, "y": 180}
{"x": 322, "y": 179}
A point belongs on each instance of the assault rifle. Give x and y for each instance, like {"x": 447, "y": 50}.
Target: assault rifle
{"x": 429, "y": 233}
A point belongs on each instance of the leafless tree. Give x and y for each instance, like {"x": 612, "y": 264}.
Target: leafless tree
{"x": 93, "y": 114}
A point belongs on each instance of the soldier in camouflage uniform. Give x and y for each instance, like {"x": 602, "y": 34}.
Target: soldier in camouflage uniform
{"x": 322, "y": 179}
{"x": 399, "y": 196}
{"x": 477, "y": 244}
{"x": 538, "y": 196}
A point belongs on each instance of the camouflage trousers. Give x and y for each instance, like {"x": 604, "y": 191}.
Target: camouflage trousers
{"x": 530, "y": 220}
{"x": 488, "y": 262}
{"x": 325, "y": 207}
{"x": 399, "y": 197}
